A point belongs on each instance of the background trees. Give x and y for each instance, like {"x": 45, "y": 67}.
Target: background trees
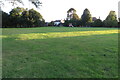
{"x": 98, "y": 23}
{"x": 111, "y": 20}
{"x": 119, "y": 22}
{"x": 86, "y": 18}
{"x": 25, "y": 19}
{"x": 72, "y": 17}
{"x": 71, "y": 14}
{"x": 5, "y": 19}
{"x": 15, "y": 16}
{"x": 20, "y": 17}
{"x": 88, "y": 21}
{"x": 35, "y": 18}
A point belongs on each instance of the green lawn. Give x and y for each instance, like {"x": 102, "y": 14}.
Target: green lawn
{"x": 60, "y": 52}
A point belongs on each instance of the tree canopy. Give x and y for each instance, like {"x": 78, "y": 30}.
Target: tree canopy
{"x": 98, "y": 23}
{"x": 86, "y": 17}
{"x": 20, "y": 17}
{"x": 72, "y": 17}
{"x": 111, "y": 19}
{"x": 5, "y": 19}
{"x": 71, "y": 14}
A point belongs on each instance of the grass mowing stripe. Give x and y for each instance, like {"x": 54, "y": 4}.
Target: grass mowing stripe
{"x": 59, "y": 34}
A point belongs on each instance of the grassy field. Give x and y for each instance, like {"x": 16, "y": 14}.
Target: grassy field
{"x": 60, "y": 52}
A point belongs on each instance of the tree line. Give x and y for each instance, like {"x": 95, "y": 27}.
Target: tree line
{"x": 87, "y": 19}
{"x": 20, "y": 17}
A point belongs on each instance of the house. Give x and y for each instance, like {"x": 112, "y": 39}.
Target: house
{"x": 94, "y": 19}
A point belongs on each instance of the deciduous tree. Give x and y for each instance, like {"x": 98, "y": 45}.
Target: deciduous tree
{"x": 5, "y": 19}
{"x": 86, "y": 17}
{"x": 98, "y": 23}
{"x": 72, "y": 18}
{"x": 35, "y": 17}
{"x": 71, "y": 14}
{"x": 111, "y": 20}
{"x": 15, "y": 16}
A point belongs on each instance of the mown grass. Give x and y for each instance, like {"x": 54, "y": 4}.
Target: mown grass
{"x": 61, "y": 53}
{"x": 0, "y": 55}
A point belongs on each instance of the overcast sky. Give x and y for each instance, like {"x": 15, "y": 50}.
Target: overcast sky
{"x": 57, "y": 9}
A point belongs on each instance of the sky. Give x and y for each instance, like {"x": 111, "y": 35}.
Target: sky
{"x": 57, "y": 9}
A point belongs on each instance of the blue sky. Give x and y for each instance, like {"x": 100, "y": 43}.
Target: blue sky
{"x": 57, "y": 9}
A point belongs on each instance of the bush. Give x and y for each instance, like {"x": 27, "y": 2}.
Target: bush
{"x": 110, "y": 23}
{"x": 75, "y": 23}
{"x": 97, "y": 23}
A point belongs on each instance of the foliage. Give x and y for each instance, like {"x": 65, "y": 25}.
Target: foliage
{"x": 86, "y": 17}
{"x": 98, "y": 23}
{"x": 71, "y": 14}
{"x": 110, "y": 23}
{"x": 75, "y": 17}
{"x": 71, "y": 10}
{"x": 36, "y": 3}
{"x": 112, "y": 16}
{"x": 25, "y": 19}
{"x": 20, "y": 17}
{"x": 5, "y": 20}
{"x": 35, "y": 18}
{"x": 51, "y": 23}
{"x": 111, "y": 20}
{"x": 72, "y": 17}
{"x": 75, "y": 23}
{"x": 15, "y": 16}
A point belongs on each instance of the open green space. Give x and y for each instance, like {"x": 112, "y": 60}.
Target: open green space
{"x": 59, "y": 52}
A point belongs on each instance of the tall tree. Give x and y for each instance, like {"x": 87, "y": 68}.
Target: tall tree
{"x": 5, "y": 19}
{"x": 111, "y": 19}
{"x": 15, "y": 16}
{"x": 71, "y": 14}
{"x": 72, "y": 18}
{"x": 25, "y": 19}
{"x": 75, "y": 17}
{"x": 35, "y": 17}
{"x": 20, "y": 17}
{"x": 86, "y": 17}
